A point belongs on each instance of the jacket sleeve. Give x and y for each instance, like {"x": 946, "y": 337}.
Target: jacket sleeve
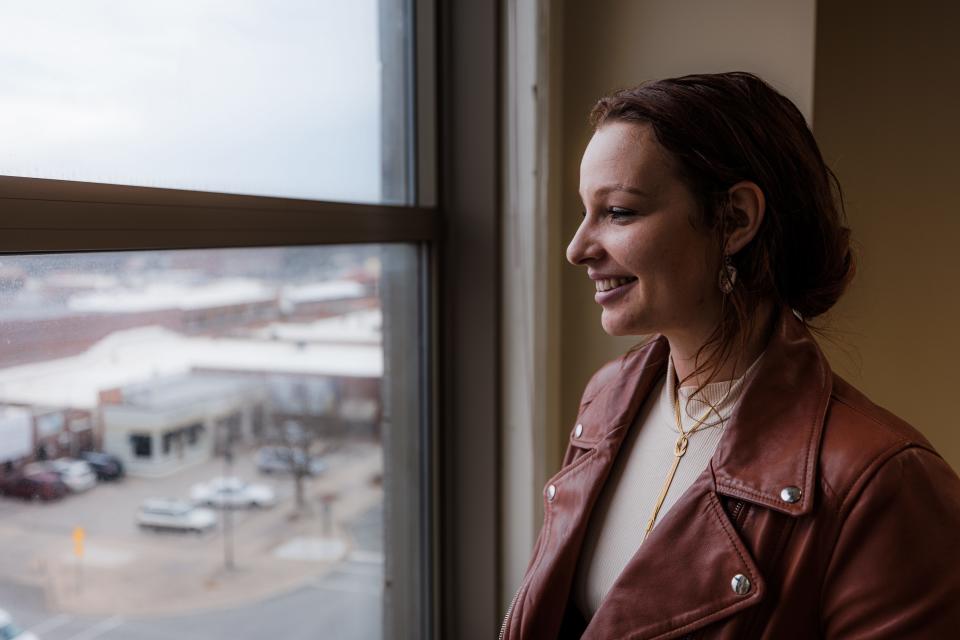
{"x": 895, "y": 569}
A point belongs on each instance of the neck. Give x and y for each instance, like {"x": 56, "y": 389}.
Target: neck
{"x": 684, "y": 346}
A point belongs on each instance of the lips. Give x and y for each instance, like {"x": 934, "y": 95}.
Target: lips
{"x": 608, "y": 284}
{"x": 610, "y": 289}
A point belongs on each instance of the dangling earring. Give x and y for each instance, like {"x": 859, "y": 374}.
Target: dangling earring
{"x": 728, "y": 275}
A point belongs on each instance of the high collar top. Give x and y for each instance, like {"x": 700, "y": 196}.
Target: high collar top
{"x": 714, "y": 403}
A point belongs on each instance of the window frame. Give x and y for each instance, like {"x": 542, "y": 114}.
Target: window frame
{"x": 42, "y": 216}
{"x": 468, "y": 317}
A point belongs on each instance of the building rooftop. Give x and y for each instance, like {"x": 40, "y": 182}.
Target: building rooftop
{"x": 321, "y": 291}
{"x": 137, "y": 355}
{"x": 356, "y": 327}
{"x": 169, "y": 295}
{"x": 185, "y": 389}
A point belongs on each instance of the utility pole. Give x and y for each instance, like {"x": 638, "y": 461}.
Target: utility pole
{"x": 228, "y": 504}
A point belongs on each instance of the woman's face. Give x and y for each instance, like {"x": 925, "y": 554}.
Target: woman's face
{"x": 654, "y": 272}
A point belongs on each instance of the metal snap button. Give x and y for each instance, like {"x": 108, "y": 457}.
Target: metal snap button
{"x": 578, "y": 431}
{"x": 740, "y": 584}
{"x": 791, "y": 494}
{"x": 551, "y": 492}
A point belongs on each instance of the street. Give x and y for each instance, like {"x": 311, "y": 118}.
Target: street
{"x": 297, "y": 573}
{"x": 343, "y": 605}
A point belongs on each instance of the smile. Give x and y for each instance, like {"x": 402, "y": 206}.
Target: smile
{"x": 612, "y": 283}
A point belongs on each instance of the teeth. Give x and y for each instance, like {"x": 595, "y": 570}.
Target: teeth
{"x": 612, "y": 283}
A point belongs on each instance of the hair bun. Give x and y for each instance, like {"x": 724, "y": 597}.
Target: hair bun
{"x": 830, "y": 281}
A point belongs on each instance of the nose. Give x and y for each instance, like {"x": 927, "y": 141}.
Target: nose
{"x": 583, "y": 246}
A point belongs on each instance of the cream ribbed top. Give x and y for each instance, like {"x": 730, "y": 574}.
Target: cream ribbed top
{"x": 627, "y": 500}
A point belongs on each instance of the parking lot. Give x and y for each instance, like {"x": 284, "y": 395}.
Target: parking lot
{"x": 127, "y": 572}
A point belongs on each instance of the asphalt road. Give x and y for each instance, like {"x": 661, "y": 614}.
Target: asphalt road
{"x": 343, "y": 605}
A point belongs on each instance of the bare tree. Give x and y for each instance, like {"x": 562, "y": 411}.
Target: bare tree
{"x": 300, "y": 441}
{"x": 299, "y": 454}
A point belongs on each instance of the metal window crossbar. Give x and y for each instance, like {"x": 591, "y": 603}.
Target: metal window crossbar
{"x": 51, "y": 215}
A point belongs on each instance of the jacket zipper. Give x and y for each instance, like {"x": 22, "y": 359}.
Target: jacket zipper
{"x": 506, "y": 618}
{"x": 516, "y": 596}
{"x": 737, "y": 508}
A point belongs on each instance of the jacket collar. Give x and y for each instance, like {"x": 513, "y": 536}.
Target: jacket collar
{"x": 772, "y": 441}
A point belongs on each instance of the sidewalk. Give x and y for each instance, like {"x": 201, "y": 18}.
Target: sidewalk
{"x": 167, "y": 584}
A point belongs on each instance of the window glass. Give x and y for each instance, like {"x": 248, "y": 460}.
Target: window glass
{"x": 217, "y": 435}
{"x": 279, "y": 97}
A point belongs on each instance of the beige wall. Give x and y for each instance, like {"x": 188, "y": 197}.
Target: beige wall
{"x": 887, "y": 109}
{"x": 610, "y": 44}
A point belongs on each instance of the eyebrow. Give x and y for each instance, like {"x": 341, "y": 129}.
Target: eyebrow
{"x": 622, "y": 187}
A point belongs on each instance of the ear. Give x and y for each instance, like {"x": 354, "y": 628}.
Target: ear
{"x": 748, "y": 206}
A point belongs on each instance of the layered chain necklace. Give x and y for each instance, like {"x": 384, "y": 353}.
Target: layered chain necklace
{"x": 679, "y": 449}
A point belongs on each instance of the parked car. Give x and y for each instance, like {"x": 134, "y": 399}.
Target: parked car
{"x": 232, "y": 492}
{"x": 179, "y": 515}
{"x": 35, "y": 485}
{"x": 277, "y": 459}
{"x": 10, "y": 631}
{"x": 76, "y": 474}
{"x": 105, "y": 465}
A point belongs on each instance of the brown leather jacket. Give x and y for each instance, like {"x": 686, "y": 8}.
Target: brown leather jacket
{"x": 840, "y": 519}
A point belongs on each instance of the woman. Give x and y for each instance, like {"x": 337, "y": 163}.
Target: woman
{"x": 721, "y": 482}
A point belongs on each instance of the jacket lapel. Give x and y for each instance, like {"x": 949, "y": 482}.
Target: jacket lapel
{"x": 681, "y": 577}
{"x": 605, "y": 418}
{"x": 773, "y": 440}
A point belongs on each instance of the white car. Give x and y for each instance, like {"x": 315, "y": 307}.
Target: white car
{"x": 78, "y": 475}
{"x": 232, "y": 492}
{"x": 10, "y": 631}
{"x": 164, "y": 513}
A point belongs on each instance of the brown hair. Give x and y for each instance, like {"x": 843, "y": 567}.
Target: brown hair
{"x": 724, "y": 128}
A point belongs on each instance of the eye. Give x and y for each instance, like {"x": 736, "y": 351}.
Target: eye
{"x": 618, "y": 213}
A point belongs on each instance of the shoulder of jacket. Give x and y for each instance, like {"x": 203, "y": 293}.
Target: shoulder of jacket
{"x": 621, "y": 365}
{"x": 859, "y": 436}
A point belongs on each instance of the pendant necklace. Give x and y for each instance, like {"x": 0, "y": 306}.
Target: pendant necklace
{"x": 679, "y": 448}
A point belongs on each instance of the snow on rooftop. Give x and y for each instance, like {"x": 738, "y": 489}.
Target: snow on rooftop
{"x": 176, "y": 295}
{"x": 320, "y": 291}
{"x": 168, "y": 295}
{"x": 141, "y": 354}
{"x": 359, "y": 326}
{"x": 81, "y": 280}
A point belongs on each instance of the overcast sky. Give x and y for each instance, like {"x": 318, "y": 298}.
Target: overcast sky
{"x": 278, "y": 97}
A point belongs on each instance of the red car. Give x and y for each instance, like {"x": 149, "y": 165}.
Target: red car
{"x": 34, "y": 486}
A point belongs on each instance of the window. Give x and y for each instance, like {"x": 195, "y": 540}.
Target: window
{"x": 196, "y": 300}
{"x": 281, "y": 98}
{"x": 141, "y": 445}
{"x": 438, "y": 421}
{"x": 193, "y": 433}
{"x": 317, "y": 370}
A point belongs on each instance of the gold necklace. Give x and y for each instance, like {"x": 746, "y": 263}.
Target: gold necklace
{"x": 679, "y": 448}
